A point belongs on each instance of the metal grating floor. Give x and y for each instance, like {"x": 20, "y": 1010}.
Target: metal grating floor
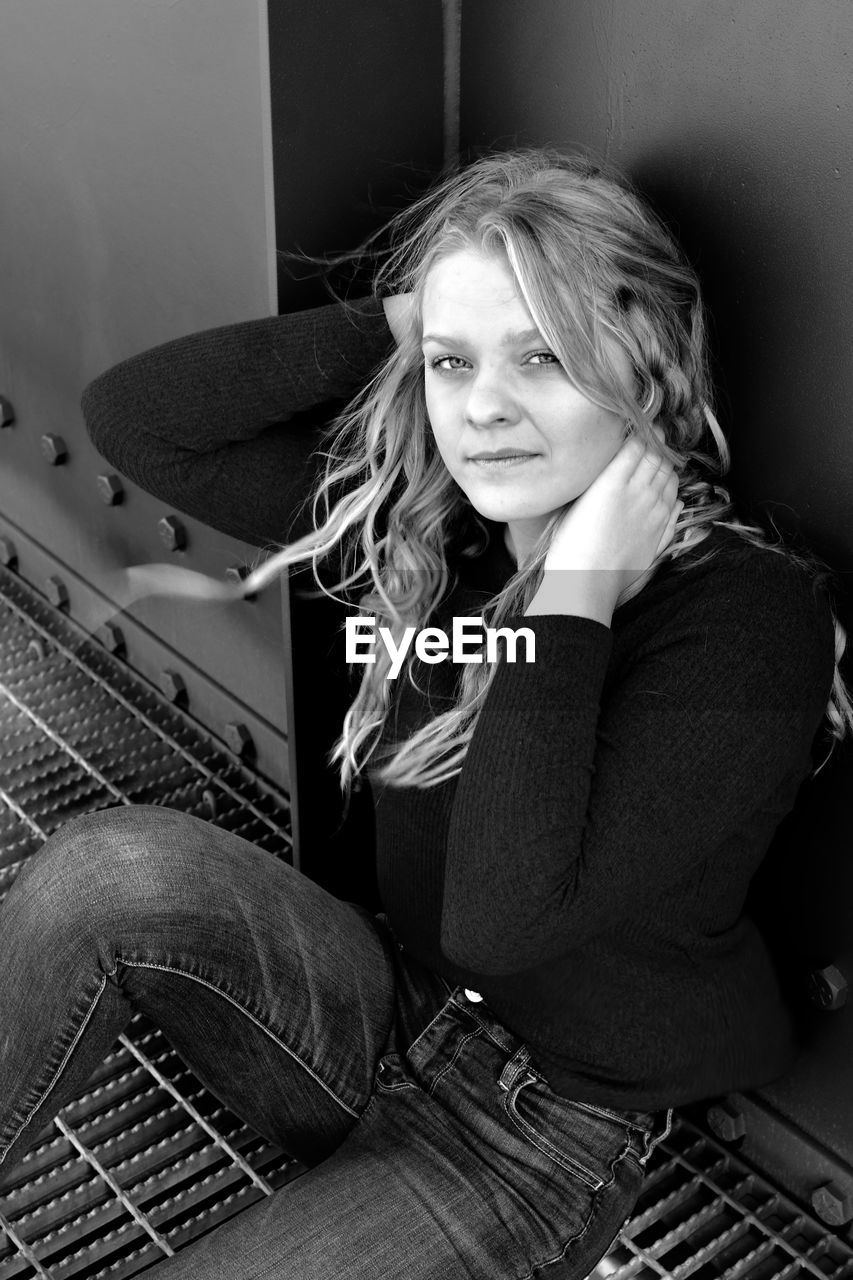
{"x": 146, "y": 1160}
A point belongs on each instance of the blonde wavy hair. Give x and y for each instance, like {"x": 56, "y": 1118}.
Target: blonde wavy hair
{"x": 595, "y": 268}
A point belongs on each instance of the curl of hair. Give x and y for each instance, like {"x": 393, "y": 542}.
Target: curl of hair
{"x": 600, "y": 275}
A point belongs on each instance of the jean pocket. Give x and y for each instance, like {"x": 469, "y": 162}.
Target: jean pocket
{"x": 583, "y": 1141}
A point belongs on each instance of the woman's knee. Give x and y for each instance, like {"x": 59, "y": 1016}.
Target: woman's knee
{"x": 115, "y": 862}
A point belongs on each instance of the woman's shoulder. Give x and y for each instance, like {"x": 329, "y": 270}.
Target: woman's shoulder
{"x": 776, "y": 599}
{"x": 736, "y": 563}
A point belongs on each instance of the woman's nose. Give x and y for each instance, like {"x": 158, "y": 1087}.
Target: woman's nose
{"x": 490, "y": 400}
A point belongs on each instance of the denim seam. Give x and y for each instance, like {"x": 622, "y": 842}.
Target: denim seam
{"x": 428, "y": 1027}
{"x": 576, "y": 1239}
{"x": 59, "y": 1070}
{"x": 471, "y": 1035}
{"x": 182, "y": 973}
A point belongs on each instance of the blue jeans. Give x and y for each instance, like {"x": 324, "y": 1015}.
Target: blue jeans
{"x": 435, "y": 1148}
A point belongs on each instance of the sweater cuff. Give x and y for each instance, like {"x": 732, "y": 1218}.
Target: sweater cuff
{"x": 565, "y": 642}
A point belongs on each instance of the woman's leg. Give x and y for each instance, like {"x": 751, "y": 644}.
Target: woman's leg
{"x": 277, "y": 995}
{"x": 465, "y": 1166}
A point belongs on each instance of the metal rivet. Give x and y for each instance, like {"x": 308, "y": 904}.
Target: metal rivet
{"x": 112, "y": 638}
{"x": 8, "y": 553}
{"x": 7, "y": 413}
{"x": 57, "y": 593}
{"x": 35, "y": 649}
{"x": 172, "y": 533}
{"x": 828, "y": 988}
{"x": 111, "y": 489}
{"x": 54, "y": 449}
{"x": 238, "y": 573}
{"x": 239, "y": 739}
{"x": 174, "y": 687}
{"x": 726, "y": 1122}
{"x": 833, "y": 1203}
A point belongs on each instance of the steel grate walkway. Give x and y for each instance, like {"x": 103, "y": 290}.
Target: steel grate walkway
{"x": 145, "y": 1160}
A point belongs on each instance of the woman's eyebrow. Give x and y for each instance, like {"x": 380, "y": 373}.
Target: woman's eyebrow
{"x": 514, "y": 338}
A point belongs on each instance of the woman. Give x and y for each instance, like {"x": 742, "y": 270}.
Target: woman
{"x": 478, "y": 1076}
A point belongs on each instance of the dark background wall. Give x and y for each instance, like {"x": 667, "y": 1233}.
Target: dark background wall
{"x": 358, "y": 128}
{"x": 737, "y": 120}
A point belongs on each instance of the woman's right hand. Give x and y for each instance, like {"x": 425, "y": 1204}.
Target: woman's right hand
{"x": 398, "y": 313}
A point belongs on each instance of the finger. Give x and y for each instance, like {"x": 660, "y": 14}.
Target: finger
{"x": 654, "y": 468}
{"x": 669, "y": 532}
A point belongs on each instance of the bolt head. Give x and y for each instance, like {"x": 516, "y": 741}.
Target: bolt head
{"x": 726, "y": 1122}
{"x": 7, "y": 413}
{"x": 833, "y": 1204}
{"x": 208, "y": 804}
{"x": 239, "y": 739}
{"x": 8, "y": 553}
{"x": 112, "y": 638}
{"x": 828, "y": 988}
{"x": 173, "y": 686}
{"x": 57, "y": 593}
{"x": 111, "y": 489}
{"x": 54, "y": 449}
{"x": 173, "y": 535}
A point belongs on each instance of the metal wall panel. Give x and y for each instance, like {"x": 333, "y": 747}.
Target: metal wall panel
{"x": 137, "y": 206}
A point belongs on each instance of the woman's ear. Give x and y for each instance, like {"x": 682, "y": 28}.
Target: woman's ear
{"x": 398, "y": 312}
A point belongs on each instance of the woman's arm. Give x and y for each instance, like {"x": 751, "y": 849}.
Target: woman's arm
{"x": 588, "y": 794}
{"x": 199, "y": 421}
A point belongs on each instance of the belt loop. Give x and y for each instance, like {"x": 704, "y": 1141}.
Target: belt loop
{"x": 514, "y": 1067}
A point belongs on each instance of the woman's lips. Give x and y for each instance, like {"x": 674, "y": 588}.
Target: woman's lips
{"x": 501, "y": 462}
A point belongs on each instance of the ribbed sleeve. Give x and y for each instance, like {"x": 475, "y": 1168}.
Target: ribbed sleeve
{"x": 223, "y": 424}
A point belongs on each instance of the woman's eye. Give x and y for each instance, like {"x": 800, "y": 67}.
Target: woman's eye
{"x": 448, "y": 364}
{"x": 543, "y": 358}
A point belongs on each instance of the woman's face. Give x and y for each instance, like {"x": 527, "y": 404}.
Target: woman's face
{"x": 516, "y": 436}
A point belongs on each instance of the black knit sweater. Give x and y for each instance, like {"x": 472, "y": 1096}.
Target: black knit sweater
{"x": 587, "y": 870}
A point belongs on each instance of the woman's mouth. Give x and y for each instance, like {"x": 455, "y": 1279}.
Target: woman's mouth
{"x": 501, "y": 459}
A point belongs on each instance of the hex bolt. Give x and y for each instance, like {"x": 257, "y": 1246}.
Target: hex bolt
{"x": 238, "y": 573}
{"x": 239, "y": 739}
{"x": 174, "y": 687}
{"x": 833, "y": 1203}
{"x": 7, "y": 413}
{"x": 111, "y": 489}
{"x": 173, "y": 535}
{"x": 8, "y": 553}
{"x": 828, "y": 988}
{"x": 208, "y": 803}
{"x": 112, "y": 639}
{"x": 726, "y": 1121}
{"x": 54, "y": 449}
{"x": 57, "y": 593}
